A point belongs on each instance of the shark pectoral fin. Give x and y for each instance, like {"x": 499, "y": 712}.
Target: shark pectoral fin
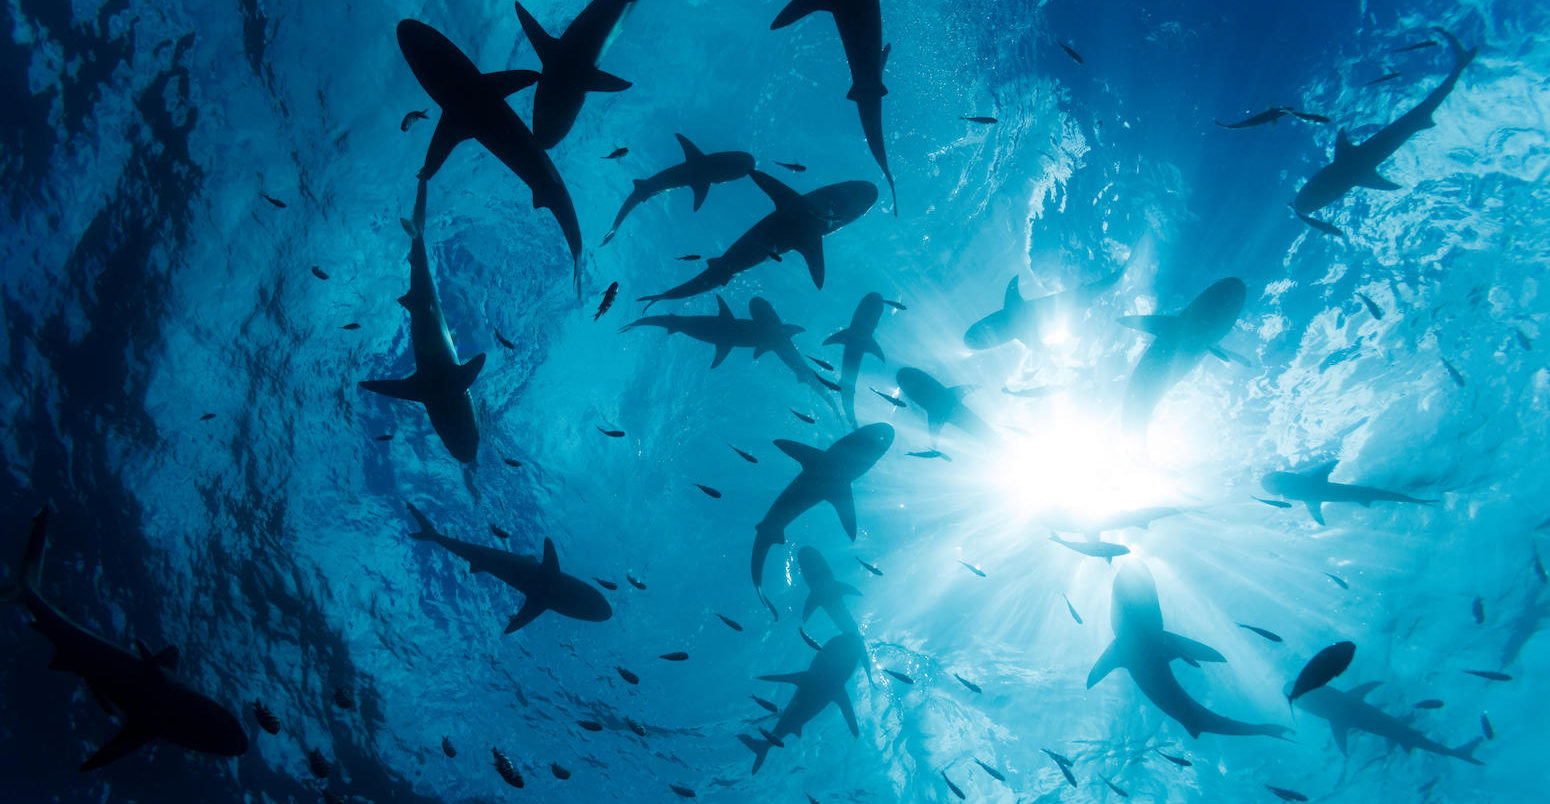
{"x": 841, "y": 337}
{"x": 812, "y": 251}
{"x": 1150, "y": 324}
{"x": 600, "y": 81}
{"x": 1191, "y": 651}
{"x": 410, "y": 388}
{"x": 799, "y": 452}
{"x": 551, "y": 565}
{"x": 795, "y": 10}
{"x": 1014, "y": 297}
{"x": 530, "y": 610}
{"x": 1374, "y": 181}
{"x": 699, "y": 194}
{"x": 446, "y": 137}
{"x": 1339, "y": 732}
{"x": 786, "y": 678}
{"x": 847, "y": 589}
{"x": 722, "y": 350}
{"x": 1105, "y": 665}
{"x": 872, "y": 348}
{"x": 468, "y": 372}
{"x": 1315, "y": 511}
{"x": 507, "y": 82}
{"x": 543, "y": 43}
{"x": 1360, "y": 691}
{"x": 760, "y": 749}
{"x": 784, "y": 197}
{"x": 843, "y": 702}
{"x": 844, "y": 502}
{"x": 1343, "y": 146}
{"x": 809, "y": 606}
{"x": 125, "y": 742}
{"x": 166, "y": 660}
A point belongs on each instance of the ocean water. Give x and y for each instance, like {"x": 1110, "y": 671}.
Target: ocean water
{"x": 180, "y": 391}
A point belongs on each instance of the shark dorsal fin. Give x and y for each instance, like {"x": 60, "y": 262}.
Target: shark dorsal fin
{"x": 1014, "y": 297}
{"x": 1361, "y": 691}
{"x": 691, "y": 153}
{"x": 1343, "y": 146}
{"x": 468, "y": 372}
{"x": 1323, "y": 470}
{"x": 799, "y": 452}
{"x": 551, "y": 561}
{"x": 960, "y": 392}
{"x": 722, "y": 310}
{"x": 785, "y": 198}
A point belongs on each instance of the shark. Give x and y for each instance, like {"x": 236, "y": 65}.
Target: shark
{"x": 826, "y": 476}
{"x": 1093, "y": 547}
{"x": 473, "y": 106}
{"x": 439, "y": 381}
{"x": 1314, "y": 488}
{"x": 858, "y": 340}
{"x": 822, "y": 683}
{"x": 1179, "y": 343}
{"x": 1357, "y": 165}
{"x": 724, "y": 330}
{"x": 798, "y": 223}
{"x": 824, "y": 591}
{"x": 1097, "y": 525}
{"x": 860, "y": 26}
{"x": 1348, "y": 710}
{"x": 140, "y": 688}
{"x": 570, "y": 65}
{"x": 943, "y": 405}
{"x": 1142, "y": 647}
{"x": 698, "y": 172}
{"x": 1021, "y": 319}
{"x": 543, "y": 586}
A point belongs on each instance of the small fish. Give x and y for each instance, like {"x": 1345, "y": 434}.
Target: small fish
{"x": 271, "y": 199}
{"x": 892, "y": 400}
{"x": 629, "y": 678}
{"x": 266, "y": 719}
{"x": 823, "y": 364}
{"x": 351, "y": 326}
{"x": 207, "y": 417}
{"x": 412, "y": 118}
{"x": 897, "y": 305}
{"x": 501, "y": 339}
{"x": 771, "y": 739}
{"x": 1490, "y": 675}
{"x": 1523, "y": 340}
{"x": 953, "y": 787}
{"x": 794, "y": 167}
{"x": 675, "y": 656}
{"x": 640, "y": 731}
{"x": 560, "y": 772}
{"x": 709, "y": 492}
{"x": 1274, "y": 503}
{"x": 447, "y": 747}
{"x": 609, "y": 585}
{"x": 994, "y": 774}
{"x": 984, "y": 121}
{"x": 967, "y": 683}
{"x": 590, "y": 725}
{"x": 608, "y": 300}
{"x": 1310, "y": 117}
{"x": 689, "y": 257}
{"x": 617, "y": 153}
{"x": 804, "y": 417}
{"x": 1380, "y": 79}
{"x": 507, "y": 770}
{"x": 499, "y": 533}
{"x": 384, "y": 437}
{"x": 1323, "y": 226}
{"x": 319, "y": 764}
{"x": 1417, "y": 46}
{"x": 512, "y": 462}
{"x": 900, "y": 676}
{"x": 682, "y": 791}
{"x": 1372, "y": 306}
{"x": 808, "y": 638}
{"x": 1322, "y": 669}
{"x": 1180, "y": 761}
{"x": 828, "y": 383}
{"x": 766, "y": 704}
{"x": 1485, "y": 727}
{"x": 319, "y": 273}
{"x": 972, "y": 568}
{"x": 1458, "y": 379}
{"x": 1270, "y": 635}
{"x": 1286, "y": 795}
{"x": 731, "y": 623}
{"x": 343, "y": 699}
{"x": 637, "y": 584}
{"x": 930, "y": 453}
{"x": 872, "y": 568}
{"x": 1479, "y": 611}
{"x": 1430, "y": 703}
{"x": 1060, "y": 759}
{"x": 611, "y": 433}
{"x": 1075, "y": 56}
{"x": 745, "y": 456}
{"x": 1119, "y": 791}
{"x": 1072, "y": 609}
{"x": 1338, "y": 581}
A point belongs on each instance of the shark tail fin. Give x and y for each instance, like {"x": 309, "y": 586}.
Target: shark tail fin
{"x": 760, "y": 749}
{"x": 32, "y": 559}
{"x": 1466, "y": 751}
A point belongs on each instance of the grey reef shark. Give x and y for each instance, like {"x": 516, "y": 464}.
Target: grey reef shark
{"x": 1314, "y": 488}
{"x": 439, "y": 381}
{"x": 570, "y": 65}
{"x": 824, "y": 591}
{"x": 1357, "y": 165}
{"x": 1142, "y": 647}
{"x": 543, "y": 586}
{"x": 1179, "y": 343}
{"x": 138, "y": 688}
{"x": 1348, "y": 710}
{"x": 859, "y": 340}
{"x": 943, "y": 405}
{"x": 822, "y": 683}
{"x": 698, "y": 172}
{"x": 1021, "y": 319}
{"x": 473, "y": 106}
{"x": 798, "y": 223}
{"x": 826, "y": 476}
{"x": 860, "y": 25}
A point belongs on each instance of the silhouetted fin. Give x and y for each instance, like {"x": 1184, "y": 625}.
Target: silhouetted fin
{"x": 600, "y": 81}
{"x": 1315, "y": 509}
{"x": 844, "y": 502}
{"x": 409, "y": 388}
{"x": 449, "y": 132}
{"x": 131, "y": 737}
{"x": 801, "y": 453}
{"x": 760, "y": 749}
{"x": 795, "y": 10}
{"x": 842, "y": 701}
{"x": 1105, "y": 664}
{"x": 1191, "y": 651}
{"x": 530, "y": 610}
{"x": 543, "y": 44}
{"x": 507, "y": 82}
{"x": 1376, "y": 182}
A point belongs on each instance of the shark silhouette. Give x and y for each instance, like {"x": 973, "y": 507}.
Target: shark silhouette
{"x": 859, "y": 339}
{"x": 943, "y": 405}
{"x": 724, "y": 330}
{"x": 1314, "y": 488}
{"x": 822, "y": 683}
{"x": 1347, "y": 711}
{"x": 698, "y": 172}
{"x": 1020, "y": 319}
{"x": 570, "y": 65}
{"x": 1180, "y": 342}
{"x": 824, "y": 591}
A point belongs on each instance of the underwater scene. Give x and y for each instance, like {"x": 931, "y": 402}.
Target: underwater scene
{"x": 806, "y": 401}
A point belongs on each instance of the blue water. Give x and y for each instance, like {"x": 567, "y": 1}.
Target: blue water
{"x": 148, "y": 283}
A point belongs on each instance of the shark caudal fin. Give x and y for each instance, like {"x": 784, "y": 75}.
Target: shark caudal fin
{"x": 760, "y": 749}
{"x": 1466, "y": 751}
{"x": 32, "y": 560}
{"x": 427, "y": 531}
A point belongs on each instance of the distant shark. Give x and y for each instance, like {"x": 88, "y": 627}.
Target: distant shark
{"x": 543, "y": 586}
{"x": 724, "y": 330}
{"x": 1347, "y": 710}
{"x": 1095, "y": 526}
{"x": 1180, "y": 342}
{"x": 826, "y": 476}
{"x": 439, "y": 382}
{"x": 473, "y": 106}
{"x": 860, "y": 25}
{"x": 698, "y": 172}
{"x": 942, "y": 405}
{"x": 570, "y": 65}
{"x": 1357, "y": 165}
{"x": 137, "y": 687}
{"x": 1020, "y": 319}
{"x": 1093, "y": 547}
{"x": 859, "y": 339}
{"x": 1142, "y": 646}
{"x": 822, "y": 683}
{"x": 1314, "y": 488}
{"x": 824, "y": 591}
{"x": 798, "y": 223}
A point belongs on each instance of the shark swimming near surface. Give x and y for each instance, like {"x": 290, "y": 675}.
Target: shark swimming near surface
{"x": 1347, "y": 711}
{"x": 859, "y": 340}
{"x": 543, "y": 586}
{"x": 570, "y": 65}
{"x": 824, "y": 591}
{"x": 725, "y": 331}
{"x": 1095, "y": 525}
{"x": 138, "y": 688}
{"x": 943, "y": 405}
{"x": 1093, "y": 547}
{"x": 1314, "y": 488}
{"x": 1142, "y": 647}
{"x": 698, "y": 172}
{"x": 439, "y": 381}
{"x": 822, "y": 683}
{"x": 1021, "y": 319}
{"x": 826, "y": 476}
{"x": 473, "y": 106}
{"x": 1179, "y": 343}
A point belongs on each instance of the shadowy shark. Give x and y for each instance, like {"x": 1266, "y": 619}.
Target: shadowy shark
{"x": 859, "y": 339}
{"x": 826, "y": 475}
{"x": 1142, "y": 646}
{"x": 698, "y": 172}
{"x": 570, "y": 65}
{"x": 824, "y": 591}
{"x": 439, "y": 382}
{"x": 138, "y": 687}
{"x": 1347, "y": 710}
{"x": 860, "y": 25}
{"x": 942, "y": 405}
{"x": 1093, "y": 547}
{"x": 473, "y": 106}
{"x": 724, "y": 330}
{"x": 1097, "y": 525}
{"x": 1180, "y": 341}
{"x": 1357, "y": 165}
{"x": 798, "y": 223}
{"x": 1020, "y": 319}
{"x": 1314, "y": 488}
{"x": 822, "y": 683}
{"x": 543, "y": 586}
